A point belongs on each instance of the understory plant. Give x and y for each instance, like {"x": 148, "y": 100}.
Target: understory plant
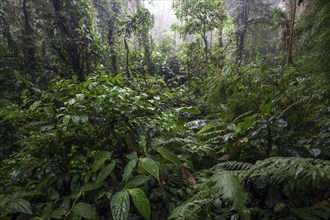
{"x": 86, "y": 150}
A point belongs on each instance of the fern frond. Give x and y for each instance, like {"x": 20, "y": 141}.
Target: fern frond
{"x": 300, "y": 173}
{"x": 233, "y": 166}
{"x": 224, "y": 186}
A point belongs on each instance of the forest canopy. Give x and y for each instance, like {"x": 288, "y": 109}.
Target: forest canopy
{"x": 105, "y": 114}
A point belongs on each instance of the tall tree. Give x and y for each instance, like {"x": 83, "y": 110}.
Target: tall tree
{"x": 293, "y": 9}
{"x": 200, "y": 17}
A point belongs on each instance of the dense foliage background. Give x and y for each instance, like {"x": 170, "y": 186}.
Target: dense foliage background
{"x": 98, "y": 120}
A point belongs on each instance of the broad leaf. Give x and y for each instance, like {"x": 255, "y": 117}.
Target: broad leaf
{"x": 120, "y": 205}
{"x": 21, "y": 206}
{"x": 59, "y": 212}
{"x": 169, "y": 155}
{"x": 191, "y": 110}
{"x": 84, "y": 210}
{"x": 91, "y": 186}
{"x": 100, "y": 158}
{"x": 137, "y": 181}
{"x": 150, "y": 166}
{"x": 105, "y": 173}
{"x": 315, "y": 152}
{"x": 129, "y": 169}
{"x": 196, "y": 125}
{"x": 141, "y": 202}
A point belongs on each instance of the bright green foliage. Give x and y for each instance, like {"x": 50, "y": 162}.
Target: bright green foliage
{"x": 176, "y": 131}
{"x": 81, "y": 143}
{"x": 199, "y": 16}
{"x": 120, "y": 205}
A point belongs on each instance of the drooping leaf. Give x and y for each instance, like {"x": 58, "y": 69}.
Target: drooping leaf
{"x": 105, "y": 173}
{"x": 141, "y": 202}
{"x": 150, "y": 166}
{"x": 84, "y": 210}
{"x": 187, "y": 175}
{"x": 120, "y": 205}
{"x": 169, "y": 155}
{"x": 100, "y": 158}
{"x": 137, "y": 181}
{"x": 91, "y": 186}
{"x": 129, "y": 168}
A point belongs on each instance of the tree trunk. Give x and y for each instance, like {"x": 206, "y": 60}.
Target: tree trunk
{"x": 28, "y": 43}
{"x": 293, "y": 19}
{"x": 243, "y": 16}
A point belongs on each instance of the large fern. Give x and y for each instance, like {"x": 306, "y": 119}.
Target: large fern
{"x": 294, "y": 188}
{"x": 225, "y": 186}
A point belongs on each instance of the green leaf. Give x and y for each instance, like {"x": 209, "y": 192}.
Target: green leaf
{"x": 315, "y": 152}
{"x": 132, "y": 156}
{"x": 100, "y": 158}
{"x": 91, "y": 186}
{"x": 33, "y": 193}
{"x": 76, "y": 119}
{"x": 150, "y": 166}
{"x": 66, "y": 120}
{"x": 21, "y": 205}
{"x": 266, "y": 105}
{"x": 120, "y": 205}
{"x": 142, "y": 141}
{"x": 141, "y": 202}
{"x": 129, "y": 169}
{"x": 53, "y": 195}
{"x": 137, "y": 181}
{"x": 3, "y": 200}
{"x": 105, "y": 173}
{"x": 59, "y": 213}
{"x": 84, "y": 210}
{"x": 191, "y": 110}
{"x": 169, "y": 155}
{"x": 196, "y": 125}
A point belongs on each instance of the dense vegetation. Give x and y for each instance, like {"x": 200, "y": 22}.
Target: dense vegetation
{"x": 100, "y": 121}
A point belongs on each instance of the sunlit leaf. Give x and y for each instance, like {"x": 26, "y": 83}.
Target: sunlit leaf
{"x": 191, "y": 110}
{"x": 120, "y": 205}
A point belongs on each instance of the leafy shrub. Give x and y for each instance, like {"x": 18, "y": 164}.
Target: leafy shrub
{"x": 83, "y": 146}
